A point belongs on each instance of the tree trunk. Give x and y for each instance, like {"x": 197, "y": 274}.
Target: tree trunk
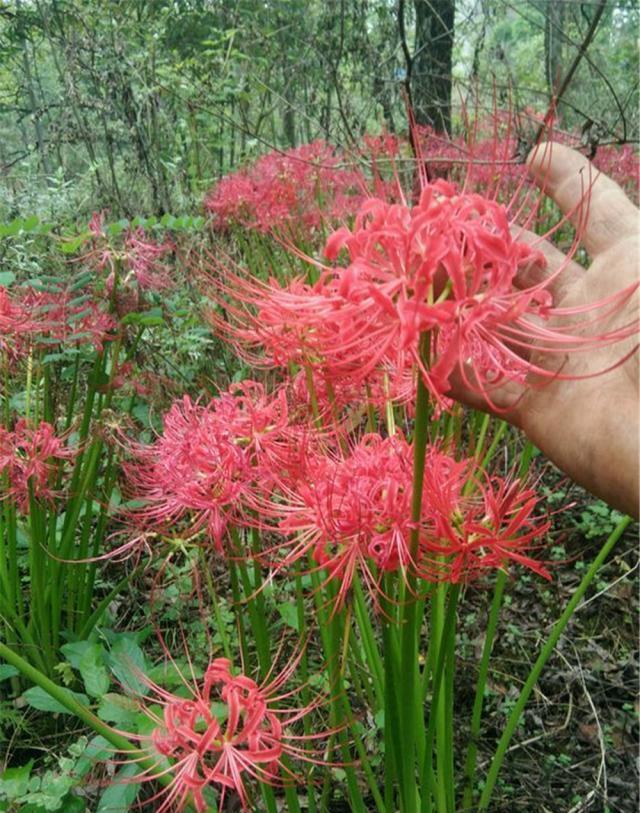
{"x": 431, "y": 64}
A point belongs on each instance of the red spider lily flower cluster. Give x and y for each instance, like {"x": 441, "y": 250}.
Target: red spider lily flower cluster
{"x": 210, "y": 461}
{"x": 228, "y": 731}
{"x": 68, "y": 319}
{"x": 32, "y": 318}
{"x": 448, "y": 263}
{"x": 475, "y": 523}
{"x": 300, "y": 188}
{"x": 139, "y": 259}
{"x": 29, "y": 459}
{"x": 623, "y": 165}
{"x": 488, "y": 159}
{"x": 352, "y": 513}
{"x": 447, "y": 267}
{"x": 16, "y": 325}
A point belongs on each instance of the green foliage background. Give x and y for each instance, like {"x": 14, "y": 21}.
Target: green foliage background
{"x": 137, "y": 106}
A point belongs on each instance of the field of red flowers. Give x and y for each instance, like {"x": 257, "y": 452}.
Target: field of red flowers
{"x": 253, "y": 553}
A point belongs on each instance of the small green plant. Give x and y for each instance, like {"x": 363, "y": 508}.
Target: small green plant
{"x": 598, "y": 520}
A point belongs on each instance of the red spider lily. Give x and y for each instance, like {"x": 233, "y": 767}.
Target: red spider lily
{"x": 30, "y": 457}
{"x": 446, "y": 268}
{"x": 299, "y": 188}
{"x": 228, "y": 731}
{"x": 473, "y": 524}
{"x": 139, "y": 258}
{"x": 16, "y": 325}
{"x": 351, "y": 512}
{"x": 67, "y": 319}
{"x": 210, "y": 460}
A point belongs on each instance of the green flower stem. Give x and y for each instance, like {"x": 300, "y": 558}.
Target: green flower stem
{"x": 502, "y": 428}
{"x": 438, "y": 697}
{"x": 478, "y": 703}
{"x": 110, "y": 477}
{"x": 442, "y": 787}
{"x": 482, "y": 433}
{"x": 369, "y": 644}
{"x": 71, "y": 404}
{"x": 82, "y": 712}
{"x": 411, "y": 709}
{"x": 305, "y": 694}
{"x": 215, "y": 604}
{"x": 392, "y": 727}
{"x": 40, "y": 616}
{"x": 540, "y": 663}
{"x": 330, "y": 623}
{"x": 483, "y": 670}
{"x": 254, "y": 602}
{"x": 308, "y": 372}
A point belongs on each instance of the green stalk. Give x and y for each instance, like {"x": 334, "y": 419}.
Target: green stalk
{"x": 71, "y": 404}
{"x": 502, "y": 428}
{"x": 411, "y": 710}
{"x": 392, "y": 725}
{"x": 540, "y": 663}
{"x": 213, "y": 599}
{"x": 90, "y": 570}
{"x": 40, "y": 617}
{"x": 438, "y": 697}
{"x": 339, "y": 706}
{"x": 255, "y": 606}
{"x": 442, "y": 786}
{"x": 372, "y": 654}
{"x": 304, "y": 675}
{"x": 478, "y": 703}
{"x": 482, "y": 434}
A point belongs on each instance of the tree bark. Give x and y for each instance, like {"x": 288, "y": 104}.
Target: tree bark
{"x": 431, "y": 63}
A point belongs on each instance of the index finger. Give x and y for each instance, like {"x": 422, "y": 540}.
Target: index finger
{"x": 582, "y": 191}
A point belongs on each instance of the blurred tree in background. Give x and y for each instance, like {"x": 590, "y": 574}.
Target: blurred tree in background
{"x": 137, "y": 106}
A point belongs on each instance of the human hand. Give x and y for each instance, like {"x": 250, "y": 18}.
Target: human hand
{"x": 586, "y": 421}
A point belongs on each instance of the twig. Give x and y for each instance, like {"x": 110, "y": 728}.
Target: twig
{"x": 574, "y": 67}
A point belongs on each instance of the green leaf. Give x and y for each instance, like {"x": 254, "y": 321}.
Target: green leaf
{"x": 118, "y": 709}
{"x": 37, "y": 698}
{"x": 30, "y": 223}
{"x": 150, "y": 318}
{"x": 118, "y": 227}
{"x": 98, "y": 749}
{"x": 44, "y": 228}
{"x": 66, "y": 355}
{"x": 7, "y": 671}
{"x": 73, "y": 804}
{"x": 7, "y": 278}
{"x": 127, "y": 663}
{"x": 71, "y": 245}
{"x": 14, "y": 782}
{"x": 9, "y": 229}
{"x": 289, "y": 614}
{"x": 74, "y": 651}
{"x": 93, "y": 671}
{"x": 121, "y": 793}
